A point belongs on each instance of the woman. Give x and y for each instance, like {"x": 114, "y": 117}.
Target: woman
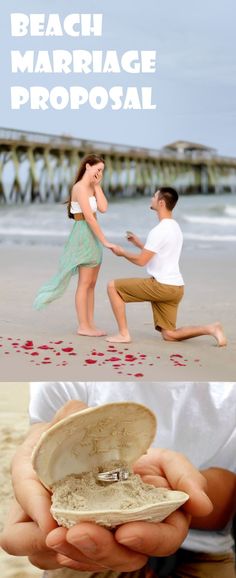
{"x": 83, "y": 250}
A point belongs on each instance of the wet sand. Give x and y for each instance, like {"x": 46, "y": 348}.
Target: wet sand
{"x": 39, "y": 345}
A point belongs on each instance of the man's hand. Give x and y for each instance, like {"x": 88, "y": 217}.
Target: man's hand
{"x": 132, "y": 238}
{"x": 89, "y": 547}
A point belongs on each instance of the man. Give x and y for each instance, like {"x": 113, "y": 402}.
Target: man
{"x": 164, "y": 287}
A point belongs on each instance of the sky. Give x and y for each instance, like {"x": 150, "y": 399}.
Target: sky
{"x": 194, "y": 86}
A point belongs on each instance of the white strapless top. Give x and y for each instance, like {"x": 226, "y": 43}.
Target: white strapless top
{"x": 75, "y": 206}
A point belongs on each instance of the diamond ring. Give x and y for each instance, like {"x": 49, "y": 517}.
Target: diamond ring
{"x": 113, "y": 475}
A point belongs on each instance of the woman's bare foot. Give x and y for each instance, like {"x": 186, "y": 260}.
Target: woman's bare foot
{"x": 119, "y": 338}
{"x": 218, "y": 332}
{"x": 91, "y": 332}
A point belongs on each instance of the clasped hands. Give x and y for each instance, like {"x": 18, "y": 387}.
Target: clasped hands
{"x": 31, "y": 530}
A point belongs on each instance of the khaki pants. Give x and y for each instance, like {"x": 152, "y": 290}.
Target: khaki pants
{"x": 164, "y": 299}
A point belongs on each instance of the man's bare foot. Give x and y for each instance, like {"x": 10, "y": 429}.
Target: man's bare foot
{"x": 218, "y": 332}
{"x": 119, "y": 338}
{"x": 91, "y": 332}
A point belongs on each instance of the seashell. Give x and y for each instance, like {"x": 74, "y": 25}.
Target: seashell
{"x": 73, "y": 457}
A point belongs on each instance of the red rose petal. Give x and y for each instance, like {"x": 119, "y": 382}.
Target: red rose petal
{"x": 90, "y": 361}
{"x": 138, "y": 375}
{"x": 67, "y": 349}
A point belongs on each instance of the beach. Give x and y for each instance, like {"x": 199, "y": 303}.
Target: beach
{"x": 43, "y": 345}
{"x": 14, "y": 424}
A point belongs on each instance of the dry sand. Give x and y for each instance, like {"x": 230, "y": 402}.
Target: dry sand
{"x": 14, "y": 424}
{"x": 210, "y": 295}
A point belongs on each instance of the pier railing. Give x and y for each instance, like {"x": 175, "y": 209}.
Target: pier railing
{"x": 38, "y": 167}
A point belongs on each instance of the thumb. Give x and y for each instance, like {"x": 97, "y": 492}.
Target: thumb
{"x": 70, "y": 407}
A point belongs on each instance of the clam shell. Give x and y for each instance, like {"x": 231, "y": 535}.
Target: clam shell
{"x": 70, "y": 454}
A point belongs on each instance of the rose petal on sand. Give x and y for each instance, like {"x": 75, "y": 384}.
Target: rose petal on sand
{"x": 67, "y": 349}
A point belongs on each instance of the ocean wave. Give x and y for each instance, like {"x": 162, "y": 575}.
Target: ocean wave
{"x": 210, "y": 238}
{"x": 202, "y": 220}
{"x": 230, "y": 210}
{"x": 22, "y": 232}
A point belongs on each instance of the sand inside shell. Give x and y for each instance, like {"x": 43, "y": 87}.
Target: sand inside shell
{"x": 85, "y": 492}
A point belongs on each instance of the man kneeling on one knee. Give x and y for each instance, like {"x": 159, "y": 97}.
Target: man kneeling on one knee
{"x": 164, "y": 288}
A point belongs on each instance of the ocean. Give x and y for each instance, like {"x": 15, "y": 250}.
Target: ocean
{"x": 207, "y": 221}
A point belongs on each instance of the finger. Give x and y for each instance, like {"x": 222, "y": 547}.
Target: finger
{"x": 35, "y": 501}
{"x": 155, "y": 539}
{"x": 30, "y": 493}
{"x": 23, "y": 539}
{"x": 72, "y": 406}
{"x": 45, "y": 560}
{"x": 58, "y": 542}
{"x": 181, "y": 475}
{"x": 99, "y": 545}
{"x": 66, "y": 562}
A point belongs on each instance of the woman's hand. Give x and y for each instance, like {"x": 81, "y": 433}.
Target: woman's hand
{"x": 119, "y": 251}
{"x": 109, "y": 245}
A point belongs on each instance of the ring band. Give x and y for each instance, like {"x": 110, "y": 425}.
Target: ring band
{"x": 113, "y": 475}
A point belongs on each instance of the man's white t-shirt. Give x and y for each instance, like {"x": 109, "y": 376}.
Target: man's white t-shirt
{"x": 166, "y": 240}
{"x": 197, "y": 419}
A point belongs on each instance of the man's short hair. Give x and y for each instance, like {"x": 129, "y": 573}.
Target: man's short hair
{"x": 169, "y": 195}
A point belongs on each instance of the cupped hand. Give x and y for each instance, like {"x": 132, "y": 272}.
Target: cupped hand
{"x": 128, "y": 548}
{"x": 88, "y": 547}
{"x": 166, "y": 468}
{"x": 29, "y": 519}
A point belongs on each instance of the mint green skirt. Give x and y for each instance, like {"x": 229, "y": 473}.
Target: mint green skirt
{"x": 82, "y": 249}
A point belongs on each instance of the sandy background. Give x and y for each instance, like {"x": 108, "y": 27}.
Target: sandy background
{"x": 43, "y": 345}
{"x": 13, "y": 425}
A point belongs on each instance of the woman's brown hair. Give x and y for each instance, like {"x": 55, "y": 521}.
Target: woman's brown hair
{"x": 91, "y": 159}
